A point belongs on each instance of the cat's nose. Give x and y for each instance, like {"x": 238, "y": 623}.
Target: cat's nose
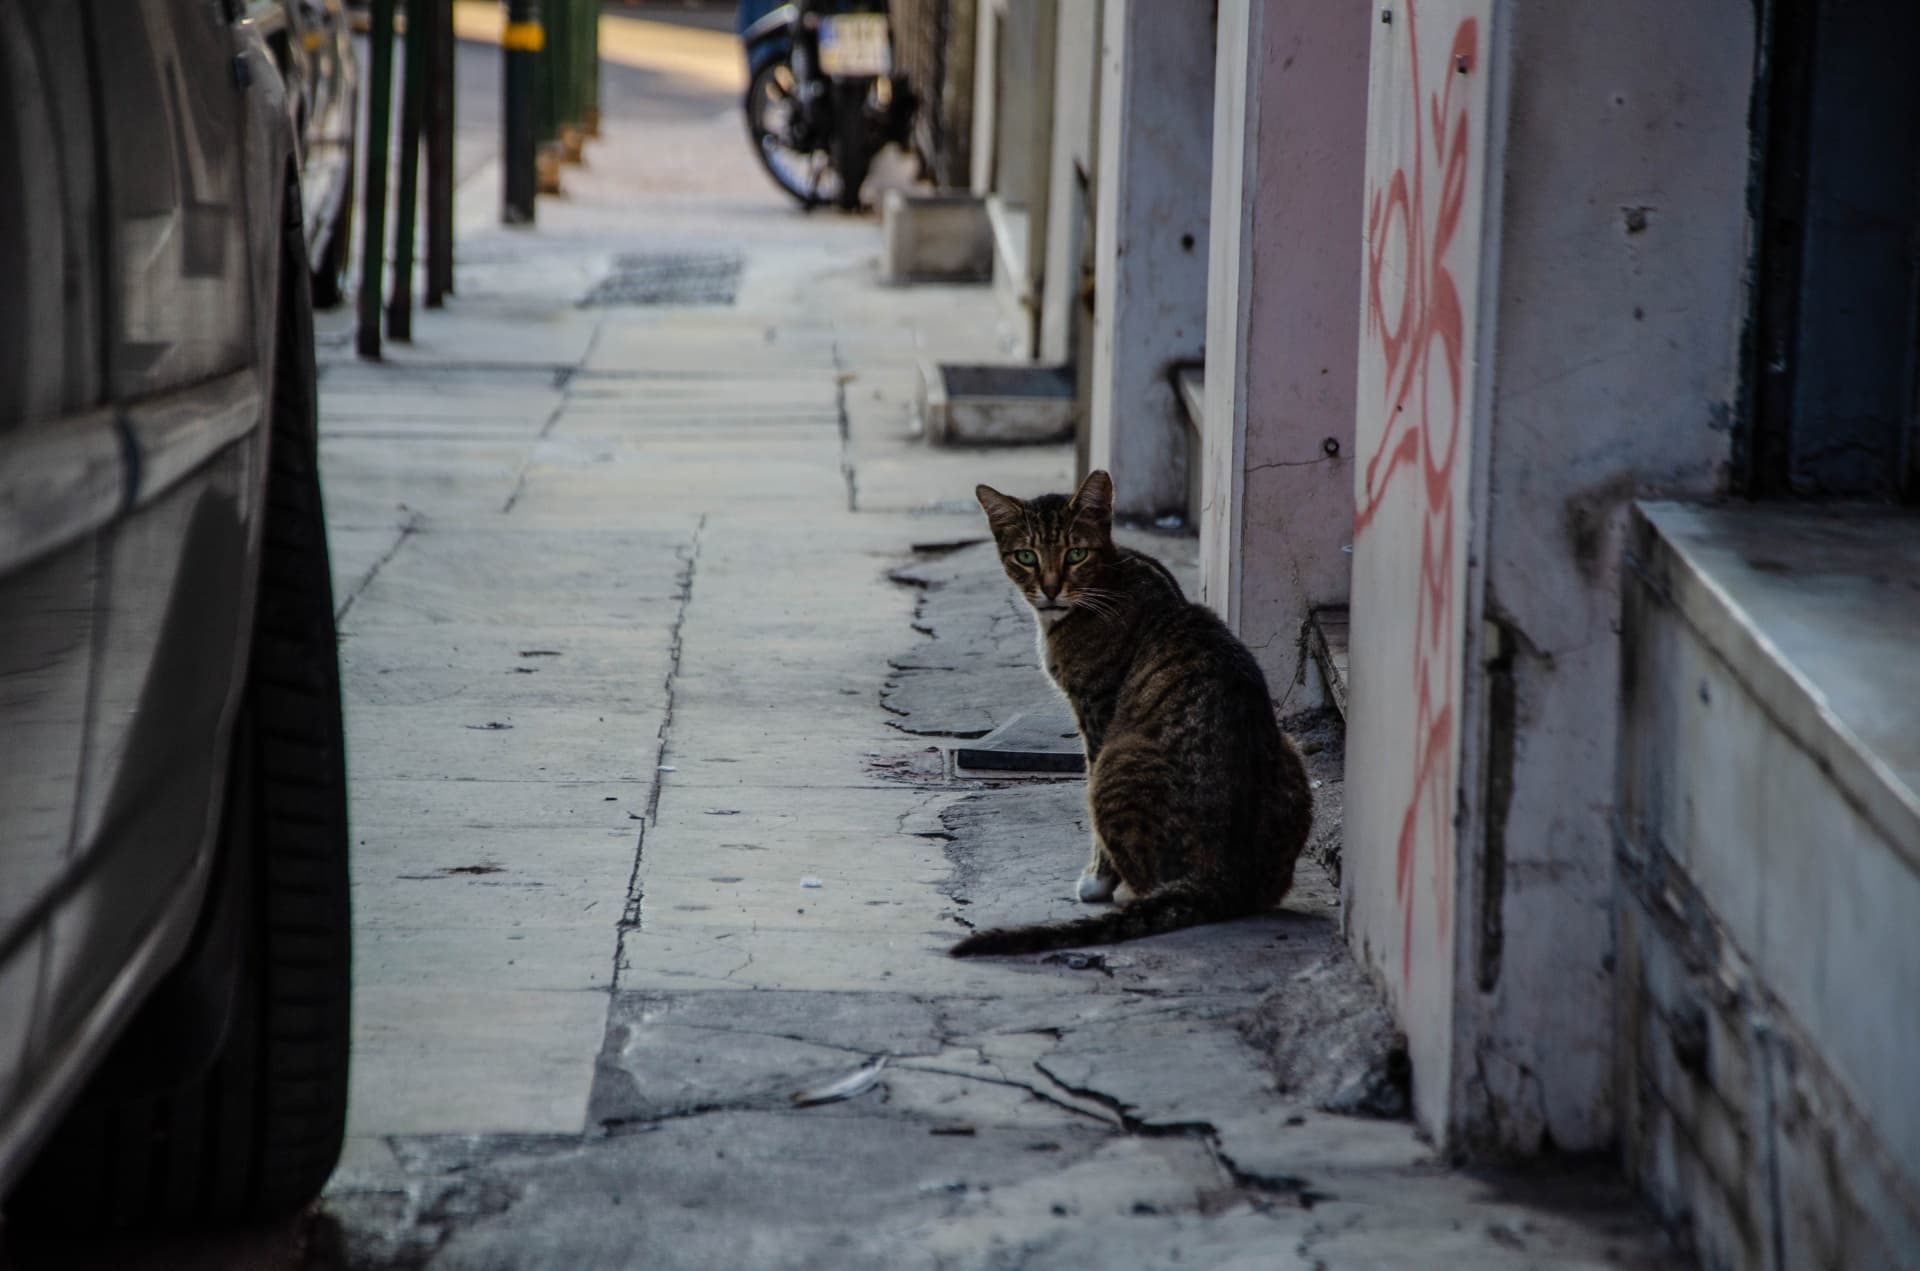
{"x": 1050, "y": 587}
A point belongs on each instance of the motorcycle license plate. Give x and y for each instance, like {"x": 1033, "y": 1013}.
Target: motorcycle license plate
{"x": 855, "y": 45}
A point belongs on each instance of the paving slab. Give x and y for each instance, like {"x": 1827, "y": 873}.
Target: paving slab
{"x": 436, "y": 1060}
{"x": 368, "y": 475}
{"x": 538, "y": 877}
{"x": 445, "y": 804}
{"x": 495, "y": 742}
{"x": 354, "y": 553}
{"x": 564, "y": 957}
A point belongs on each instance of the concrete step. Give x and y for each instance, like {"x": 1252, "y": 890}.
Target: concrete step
{"x": 1327, "y": 643}
{"x": 1769, "y": 858}
{"x": 996, "y": 404}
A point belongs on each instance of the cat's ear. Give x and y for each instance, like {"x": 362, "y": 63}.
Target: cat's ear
{"x": 1094, "y": 498}
{"x": 1003, "y": 511}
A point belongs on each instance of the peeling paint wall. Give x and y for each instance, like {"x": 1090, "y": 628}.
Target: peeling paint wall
{"x": 1283, "y": 321}
{"x": 1615, "y": 370}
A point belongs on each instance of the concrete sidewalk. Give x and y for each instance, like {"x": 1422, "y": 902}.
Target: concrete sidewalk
{"x": 647, "y": 683}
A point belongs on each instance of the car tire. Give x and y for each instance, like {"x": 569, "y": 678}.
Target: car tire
{"x": 256, "y": 1132}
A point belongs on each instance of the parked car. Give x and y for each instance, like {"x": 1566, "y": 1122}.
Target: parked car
{"x": 312, "y": 45}
{"x": 174, "y": 918}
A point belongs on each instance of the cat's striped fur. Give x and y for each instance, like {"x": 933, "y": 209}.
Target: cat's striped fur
{"x": 1200, "y": 803}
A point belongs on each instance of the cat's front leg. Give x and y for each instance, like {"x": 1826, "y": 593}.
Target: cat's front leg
{"x": 1100, "y": 878}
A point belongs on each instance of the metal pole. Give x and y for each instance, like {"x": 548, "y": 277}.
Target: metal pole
{"x": 406, "y": 203}
{"x": 373, "y": 245}
{"x": 520, "y": 45}
{"x": 588, "y": 21}
{"x": 553, "y": 92}
{"x": 592, "y": 119}
{"x": 572, "y": 136}
{"x": 440, "y": 116}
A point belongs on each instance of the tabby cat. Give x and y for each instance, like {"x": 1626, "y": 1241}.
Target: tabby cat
{"x": 1200, "y": 804}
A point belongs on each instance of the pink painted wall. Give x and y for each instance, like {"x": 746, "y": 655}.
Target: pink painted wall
{"x": 1304, "y": 157}
{"x": 1416, "y": 420}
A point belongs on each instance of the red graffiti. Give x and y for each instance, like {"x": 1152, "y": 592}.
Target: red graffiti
{"x": 1413, "y": 223}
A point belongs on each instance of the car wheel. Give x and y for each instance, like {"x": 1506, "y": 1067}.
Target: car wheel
{"x": 255, "y": 1132}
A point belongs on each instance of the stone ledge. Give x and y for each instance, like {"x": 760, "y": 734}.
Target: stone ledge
{"x": 1816, "y": 611}
{"x": 936, "y": 238}
{"x": 1327, "y": 644}
{"x": 1769, "y": 862}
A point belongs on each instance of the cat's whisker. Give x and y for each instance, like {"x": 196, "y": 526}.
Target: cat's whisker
{"x": 1098, "y": 600}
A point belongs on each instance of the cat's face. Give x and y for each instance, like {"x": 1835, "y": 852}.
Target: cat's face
{"x": 1055, "y": 548}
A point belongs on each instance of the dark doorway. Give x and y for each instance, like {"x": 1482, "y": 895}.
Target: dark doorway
{"x": 1838, "y": 323}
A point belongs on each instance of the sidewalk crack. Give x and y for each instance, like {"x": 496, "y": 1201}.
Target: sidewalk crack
{"x": 630, "y": 915}
{"x": 1037, "y": 1092}
{"x": 563, "y": 378}
{"x": 840, "y": 378}
{"x": 1299, "y": 1189}
{"x": 407, "y": 528}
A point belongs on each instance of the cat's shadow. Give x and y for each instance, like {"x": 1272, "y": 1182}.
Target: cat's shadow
{"x": 1017, "y": 855}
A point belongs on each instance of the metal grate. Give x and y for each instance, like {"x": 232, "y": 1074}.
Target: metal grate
{"x": 678, "y": 278}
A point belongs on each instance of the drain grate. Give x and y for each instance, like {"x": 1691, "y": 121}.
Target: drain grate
{"x": 677, "y": 278}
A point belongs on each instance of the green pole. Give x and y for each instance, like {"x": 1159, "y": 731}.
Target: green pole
{"x": 440, "y": 116}
{"x": 555, "y": 78}
{"x": 592, "y": 116}
{"x": 577, "y": 108}
{"x": 553, "y": 72}
{"x": 406, "y": 203}
{"x": 373, "y": 246}
{"x": 521, "y": 79}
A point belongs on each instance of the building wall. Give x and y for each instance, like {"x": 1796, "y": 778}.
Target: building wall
{"x": 1012, "y": 152}
{"x": 1150, "y": 228}
{"x": 1615, "y": 373}
{"x": 933, "y": 44}
{"x": 1076, "y": 77}
{"x": 1283, "y": 321}
{"x": 1556, "y": 246}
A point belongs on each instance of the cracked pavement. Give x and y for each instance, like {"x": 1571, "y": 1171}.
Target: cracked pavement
{"x": 1167, "y": 1102}
{"x": 638, "y": 649}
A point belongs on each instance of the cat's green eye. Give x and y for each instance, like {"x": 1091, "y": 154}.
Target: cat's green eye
{"x": 1026, "y": 557}
{"x": 1076, "y": 555}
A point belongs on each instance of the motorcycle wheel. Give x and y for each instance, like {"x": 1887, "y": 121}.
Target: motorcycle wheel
{"x": 773, "y": 119}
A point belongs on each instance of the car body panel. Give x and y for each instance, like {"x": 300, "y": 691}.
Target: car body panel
{"x": 129, "y": 532}
{"x": 50, "y": 373}
{"x": 311, "y": 43}
{"x": 180, "y": 314}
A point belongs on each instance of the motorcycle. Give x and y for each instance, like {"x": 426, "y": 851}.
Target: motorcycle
{"x": 822, "y": 96}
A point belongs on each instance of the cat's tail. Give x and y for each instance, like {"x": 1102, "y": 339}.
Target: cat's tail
{"x": 1185, "y": 903}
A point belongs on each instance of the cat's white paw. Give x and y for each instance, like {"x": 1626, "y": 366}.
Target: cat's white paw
{"x": 1095, "y": 888}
